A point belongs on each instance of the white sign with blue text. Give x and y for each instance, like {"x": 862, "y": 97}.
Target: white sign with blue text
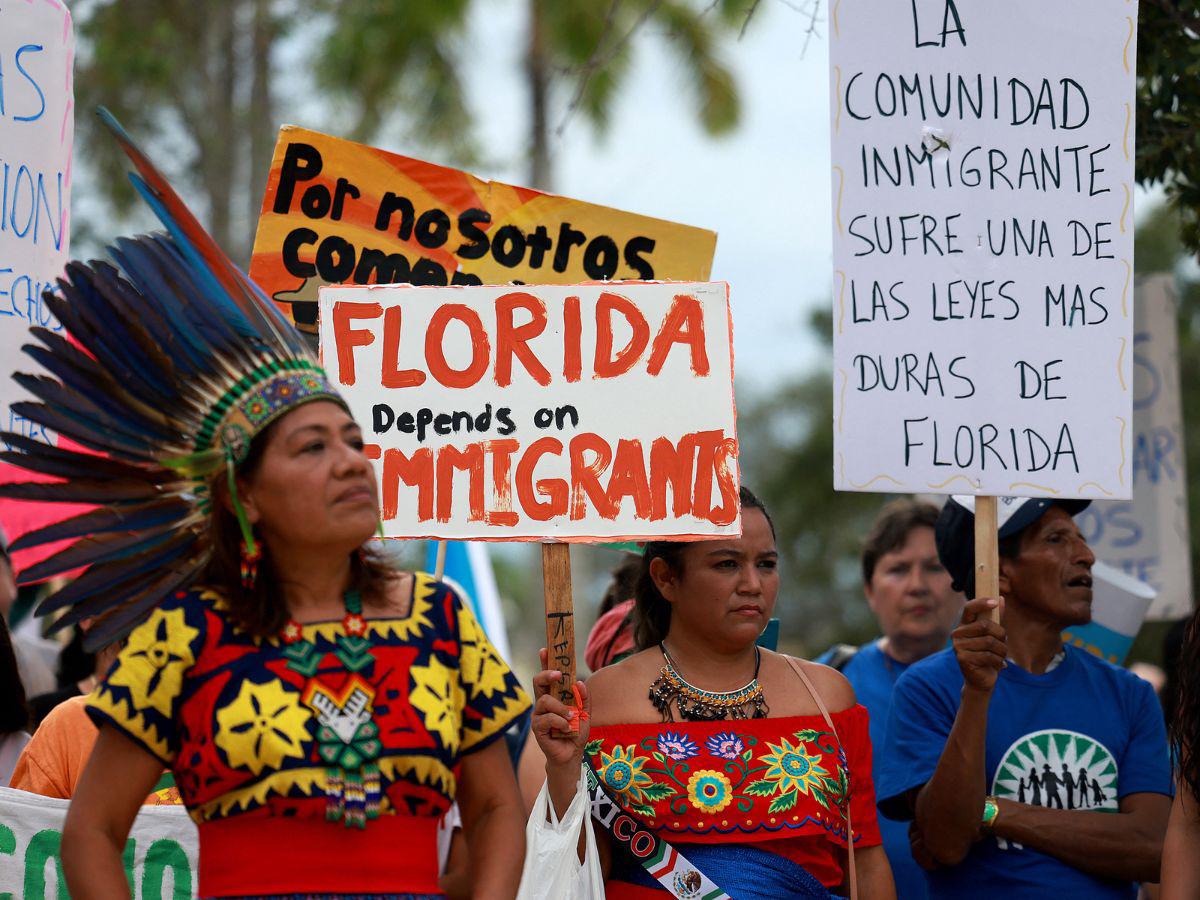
{"x": 983, "y": 246}
{"x": 37, "y": 132}
{"x": 1148, "y": 537}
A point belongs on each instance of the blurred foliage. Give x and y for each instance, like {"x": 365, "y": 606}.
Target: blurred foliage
{"x": 1168, "y": 107}
{"x": 586, "y": 47}
{"x": 787, "y": 452}
{"x": 201, "y": 86}
{"x": 385, "y": 56}
{"x": 205, "y": 86}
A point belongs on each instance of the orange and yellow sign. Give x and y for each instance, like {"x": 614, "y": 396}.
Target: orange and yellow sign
{"x": 337, "y": 212}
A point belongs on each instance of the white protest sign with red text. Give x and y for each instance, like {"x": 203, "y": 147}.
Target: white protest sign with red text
{"x": 589, "y": 412}
{"x": 983, "y": 246}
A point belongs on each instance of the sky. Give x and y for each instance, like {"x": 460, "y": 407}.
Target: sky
{"x": 764, "y": 189}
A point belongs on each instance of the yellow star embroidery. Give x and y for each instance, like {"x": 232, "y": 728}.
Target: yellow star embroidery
{"x": 483, "y": 670}
{"x": 437, "y": 695}
{"x": 153, "y": 663}
{"x": 264, "y": 725}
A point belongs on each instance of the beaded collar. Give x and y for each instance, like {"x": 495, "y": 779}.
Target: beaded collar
{"x": 698, "y": 705}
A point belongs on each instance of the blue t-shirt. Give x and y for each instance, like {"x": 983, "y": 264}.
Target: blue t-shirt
{"x": 1081, "y": 736}
{"x": 872, "y": 674}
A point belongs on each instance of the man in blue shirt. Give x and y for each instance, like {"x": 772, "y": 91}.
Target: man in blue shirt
{"x": 910, "y": 594}
{"x": 1032, "y": 769}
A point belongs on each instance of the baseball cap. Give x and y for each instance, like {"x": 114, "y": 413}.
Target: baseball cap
{"x": 955, "y": 529}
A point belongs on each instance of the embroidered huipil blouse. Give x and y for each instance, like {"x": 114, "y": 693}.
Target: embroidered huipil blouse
{"x": 781, "y": 785}
{"x": 226, "y": 713}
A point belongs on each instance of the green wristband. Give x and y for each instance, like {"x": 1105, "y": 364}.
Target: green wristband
{"x": 990, "y": 811}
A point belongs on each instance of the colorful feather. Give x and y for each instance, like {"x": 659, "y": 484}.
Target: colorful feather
{"x": 164, "y": 357}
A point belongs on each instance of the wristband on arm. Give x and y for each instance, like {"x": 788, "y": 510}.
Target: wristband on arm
{"x": 991, "y": 810}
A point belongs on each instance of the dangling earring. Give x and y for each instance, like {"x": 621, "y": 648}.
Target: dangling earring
{"x": 251, "y": 554}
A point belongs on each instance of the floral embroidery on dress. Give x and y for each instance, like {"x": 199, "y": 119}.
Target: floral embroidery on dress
{"x": 438, "y": 697}
{"x": 155, "y": 660}
{"x": 677, "y": 746}
{"x": 262, "y": 726}
{"x": 666, "y": 777}
{"x": 623, "y": 772}
{"x": 235, "y": 721}
{"x": 726, "y": 745}
{"x": 479, "y": 659}
{"x": 791, "y": 771}
{"x": 709, "y": 791}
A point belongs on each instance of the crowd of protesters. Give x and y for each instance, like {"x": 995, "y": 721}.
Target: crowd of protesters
{"x": 990, "y": 757}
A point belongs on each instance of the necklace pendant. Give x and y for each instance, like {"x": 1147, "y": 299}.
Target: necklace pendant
{"x": 347, "y": 737}
{"x": 348, "y": 743}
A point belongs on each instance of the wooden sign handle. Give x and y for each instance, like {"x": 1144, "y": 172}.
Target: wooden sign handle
{"x": 987, "y": 551}
{"x": 439, "y": 566}
{"x": 560, "y": 617}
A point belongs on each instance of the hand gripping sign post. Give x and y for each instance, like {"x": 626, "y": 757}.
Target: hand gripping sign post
{"x": 983, "y": 249}
{"x": 596, "y": 412}
{"x": 339, "y": 212}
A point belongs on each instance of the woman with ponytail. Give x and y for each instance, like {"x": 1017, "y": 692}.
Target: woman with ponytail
{"x": 735, "y": 767}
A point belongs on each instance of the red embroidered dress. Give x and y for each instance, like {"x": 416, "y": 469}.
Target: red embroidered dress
{"x": 781, "y": 785}
{"x": 228, "y": 715}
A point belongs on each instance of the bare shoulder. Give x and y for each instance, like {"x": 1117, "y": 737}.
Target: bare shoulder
{"x": 619, "y": 693}
{"x": 835, "y": 690}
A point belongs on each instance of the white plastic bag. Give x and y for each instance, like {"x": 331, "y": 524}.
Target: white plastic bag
{"x": 552, "y": 869}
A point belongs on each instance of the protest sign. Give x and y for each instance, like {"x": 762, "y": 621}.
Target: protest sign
{"x": 589, "y": 412}
{"x": 1119, "y": 605}
{"x": 37, "y": 132}
{"x": 161, "y": 854}
{"x": 1148, "y": 537}
{"x": 340, "y": 212}
{"x": 983, "y": 246}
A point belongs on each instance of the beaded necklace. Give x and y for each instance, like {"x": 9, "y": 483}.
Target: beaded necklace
{"x": 697, "y": 705}
{"x": 347, "y": 737}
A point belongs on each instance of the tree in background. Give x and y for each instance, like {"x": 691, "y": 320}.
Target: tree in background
{"x": 786, "y": 441}
{"x": 585, "y": 47}
{"x": 202, "y": 85}
{"x": 1168, "y": 107}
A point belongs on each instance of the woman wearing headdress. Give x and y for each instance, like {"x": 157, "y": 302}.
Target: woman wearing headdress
{"x": 754, "y": 767}
{"x": 319, "y": 710}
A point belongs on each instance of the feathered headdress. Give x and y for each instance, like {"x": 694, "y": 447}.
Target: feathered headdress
{"x": 175, "y": 361}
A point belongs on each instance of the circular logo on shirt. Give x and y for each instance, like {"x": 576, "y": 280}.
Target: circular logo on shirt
{"x": 1058, "y": 770}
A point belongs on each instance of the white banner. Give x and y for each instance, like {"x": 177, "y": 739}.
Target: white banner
{"x": 983, "y": 246}
{"x": 37, "y": 131}
{"x": 1148, "y": 537}
{"x": 588, "y": 412}
{"x": 161, "y": 854}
